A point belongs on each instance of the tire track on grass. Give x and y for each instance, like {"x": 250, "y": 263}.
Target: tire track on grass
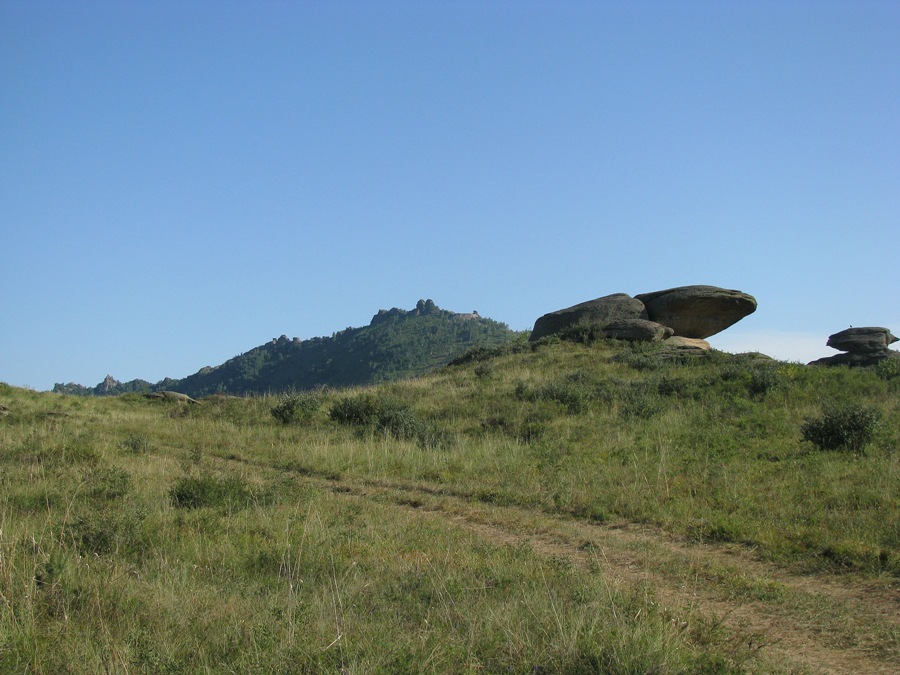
{"x": 690, "y": 580}
{"x": 814, "y": 623}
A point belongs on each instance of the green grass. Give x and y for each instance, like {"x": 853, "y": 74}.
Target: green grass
{"x": 155, "y": 536}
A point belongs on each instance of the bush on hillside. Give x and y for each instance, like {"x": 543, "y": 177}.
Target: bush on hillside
{"x": 842, "y": 426}
{"x": 194, "y": 492}
{"x": 294, "y": 406}
{"x": 888, "y": 369}
{"x": 388, "y": 416}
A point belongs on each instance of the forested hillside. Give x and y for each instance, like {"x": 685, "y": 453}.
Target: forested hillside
{"x": 395, "y": 345}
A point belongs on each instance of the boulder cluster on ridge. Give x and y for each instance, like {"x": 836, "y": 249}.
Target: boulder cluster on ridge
{"x": 680, "y": 317}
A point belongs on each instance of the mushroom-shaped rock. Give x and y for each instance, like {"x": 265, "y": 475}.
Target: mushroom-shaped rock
{"x": 636, "y": 330}
{"x": 697, "y": 311}
{"x": 601, "y": 311}
{"x": 863, "y": 340}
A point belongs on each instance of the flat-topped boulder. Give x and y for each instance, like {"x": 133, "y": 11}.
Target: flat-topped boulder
{"x": 602, "y": 311}
{"x": 862, "y": 347}
{"x": 863, "y": 340}
{"x": 697, "y": 311}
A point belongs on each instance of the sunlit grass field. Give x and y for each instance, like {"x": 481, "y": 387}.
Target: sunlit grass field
{"x": 312, "y": 532}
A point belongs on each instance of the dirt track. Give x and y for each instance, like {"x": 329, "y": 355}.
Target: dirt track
{"x": 794, "y": 623}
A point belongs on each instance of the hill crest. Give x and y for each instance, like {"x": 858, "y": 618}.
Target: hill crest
{"x": 396, "y": 344}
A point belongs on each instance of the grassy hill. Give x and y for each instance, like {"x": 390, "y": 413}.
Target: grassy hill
{"x": 555, "y": 507}
{"x": 395, "y": 345}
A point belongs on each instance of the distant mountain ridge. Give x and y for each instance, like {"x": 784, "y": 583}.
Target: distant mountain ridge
{"x": 396, "y": 344}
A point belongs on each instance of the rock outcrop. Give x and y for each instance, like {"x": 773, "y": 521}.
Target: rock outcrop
{"x": 636, "y": 330}
{"x": 861, "y": 347}
{"x": 697, "y": 311}
{"x": 171, "y": 396}
{"x": 609, "y": 308}
{"x": 693, "y": 345}
{"x": 862, "y": 340}
{"x": 690, "y": 312}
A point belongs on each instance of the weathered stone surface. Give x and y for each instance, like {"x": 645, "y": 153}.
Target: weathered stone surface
{"x": 863, "y": 340}
{"x": 601, "y": 311}
{"x": 636, "y": 330}
{"x": 697, "y": 311}
{"x": 171, "y": 396}
{"x": 678, "y": 342}
{"x": 856, "y": 360}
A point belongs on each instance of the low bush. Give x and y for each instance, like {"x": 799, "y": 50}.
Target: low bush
{"x": 639, "y": 402}
{"x": 888, "y": 369}
{"x": 388, "y": 416}
{"x": 763, "y": 380}
{"x": 479, "y": 353}
{"x": 137, "y": 444}
{"x": 842, "y": 426}
{"x": 194, "y": 492}
{"x": 294, "y": 406}
{"x": 358, "y": 411}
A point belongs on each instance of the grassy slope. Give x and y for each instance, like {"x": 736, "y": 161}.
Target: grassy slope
{"x": 480, "y": 531}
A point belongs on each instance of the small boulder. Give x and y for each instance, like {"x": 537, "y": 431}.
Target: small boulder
{"x": 171, "y": 396}
{"x": 688, "y": 344}
{"x": 697, "y": 311}
{"x": 864, "y": 340}
{"x": 601, "y": 311}
{"x": 636, "y": 330}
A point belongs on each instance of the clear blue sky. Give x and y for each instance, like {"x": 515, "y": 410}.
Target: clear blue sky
{"x": 182, "y": 181}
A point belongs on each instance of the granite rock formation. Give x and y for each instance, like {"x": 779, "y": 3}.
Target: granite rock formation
{"x": 692, "y": 312}
{"x": 609, "y": 308}
{"x": 697, "y": 311}
{"x": 864, "y": 346}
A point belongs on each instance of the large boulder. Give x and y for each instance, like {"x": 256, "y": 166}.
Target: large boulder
{"x": 861, "y": 347}
{"x": 636, "y": 330}
{"x": 601, "y": 311}
{"x": 864, "y": 340}
{"x": 697, "y": 311}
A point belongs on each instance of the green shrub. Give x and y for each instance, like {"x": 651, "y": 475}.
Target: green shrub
{"x": 104, "y": 482}
{"x": 137, "y": 444}
{"x": 359, "y": 411}
{"x": 842, "y": 426}
{"x": 479, "y": 353}
{"x": 764, "y": 379}
{"x": 642, "y": 360}
{"x": 388, "y": 416}
{"x": 639, "y": 402}
{"x": 575, "y": 396}
{"x": 889, "y": 369}
{"x": 193, "y": 492}
{"x": 296, "y": 406}
{"x": 582, "y": 333}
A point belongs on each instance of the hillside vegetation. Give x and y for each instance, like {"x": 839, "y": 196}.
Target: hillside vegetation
{"x": 547, "y": 507}
{"x": 397, "y": 344}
